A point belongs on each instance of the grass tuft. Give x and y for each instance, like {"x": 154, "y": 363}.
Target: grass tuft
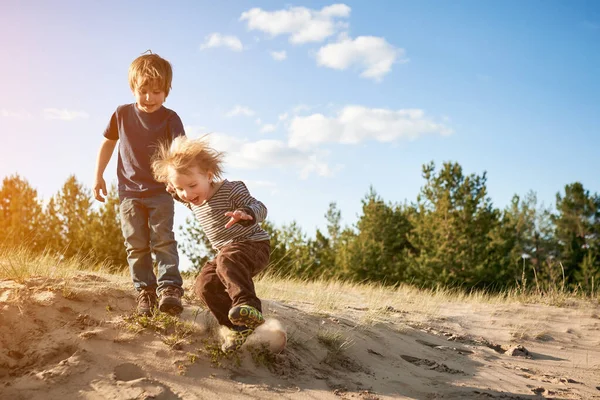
{"x": 174, "y": 333}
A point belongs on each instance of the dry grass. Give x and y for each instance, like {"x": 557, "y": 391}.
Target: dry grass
{"x": 321, "y": 297}
{"x": 334, "y": 340}
{"x": 375, "y": 300}
{"x": 20, "y": 264}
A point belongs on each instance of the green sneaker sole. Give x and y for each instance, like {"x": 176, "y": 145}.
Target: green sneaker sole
{"x": 246, "y": 316}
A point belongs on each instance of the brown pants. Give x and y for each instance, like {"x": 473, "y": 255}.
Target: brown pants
{"x": 226, "y": 281}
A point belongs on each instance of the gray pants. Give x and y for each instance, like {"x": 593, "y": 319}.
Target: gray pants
{"x": 147, "y": 225}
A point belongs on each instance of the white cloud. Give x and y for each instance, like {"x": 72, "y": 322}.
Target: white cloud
{"x": 373, "y": 55}
{"x": 283, "y": 117}
{"x": 252, "y": 184}
{"x": 268, "y": 128}
{"x": 244, "y": 154}
{"x": 195, "y": 131}
{"x": 218, "y": 40}
{"x": 315, "y": 166}
{"x": 258, "y": 121}
{"x": 301, "y": 108}
{"x": 15, "y": 114}
{"x": 264, "y": 153}
{"x": 355, "y": 124}
{"x": 278, "y": 55}
{"x": 301, "y": 23}
{"x": 240, "y": 111}
{"x": 64, "y": 114}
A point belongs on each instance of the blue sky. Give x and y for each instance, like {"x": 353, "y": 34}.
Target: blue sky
{"x": 316, "y": 101}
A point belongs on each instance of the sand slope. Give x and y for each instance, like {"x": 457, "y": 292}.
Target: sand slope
{"x": 67, "y": 342}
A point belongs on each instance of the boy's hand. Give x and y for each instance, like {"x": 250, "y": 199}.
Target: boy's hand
{"x": 99, "y": 188}
{"x": 236, "y": 216}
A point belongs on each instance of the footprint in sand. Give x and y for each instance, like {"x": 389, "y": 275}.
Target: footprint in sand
{"x": 75, "y": 364}
{"x": 431, "y": 365}
{"x": 143, "y": 388}
{"x": 128, "y": 372}
{"x": 43, "y": 359}
{"x": 130, "y": 381}
{"x": 442, "y": 347}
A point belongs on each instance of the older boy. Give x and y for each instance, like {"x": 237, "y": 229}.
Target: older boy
{"x": 146, "y": 209}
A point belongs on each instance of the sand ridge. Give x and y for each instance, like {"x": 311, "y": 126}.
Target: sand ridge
{"x": 74, "y": 341}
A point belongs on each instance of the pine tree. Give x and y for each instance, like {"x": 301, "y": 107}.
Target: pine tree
{"x": 20, "y": 215}
{"x": 452, "y": 223}
{"x": 377, "y": 253}
{"x": 577, "y": 225}
{"x": 522, "y": 246}
{"x": 52, "y": 229}
{"x": 105, "y": 233}
{"x": 73, "y": 208}
{"x": 323, "y": 249}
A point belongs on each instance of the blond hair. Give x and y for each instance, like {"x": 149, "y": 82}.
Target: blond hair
{"x": 151, "y": 69}
{"x": 183, "y": 154}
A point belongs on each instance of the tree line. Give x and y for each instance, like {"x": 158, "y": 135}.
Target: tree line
{"x": 451, "y": 235}
{"x": 66, "y": 226}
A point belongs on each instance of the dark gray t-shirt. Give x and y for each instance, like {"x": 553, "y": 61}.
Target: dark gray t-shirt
{"x": 139, "y": 134}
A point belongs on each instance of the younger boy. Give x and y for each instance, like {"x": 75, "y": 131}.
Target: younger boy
{"x": 230, "y": 217}
{"x": 146, "y": 209}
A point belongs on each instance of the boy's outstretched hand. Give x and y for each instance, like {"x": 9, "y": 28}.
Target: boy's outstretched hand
{"x": 236, "y": 216}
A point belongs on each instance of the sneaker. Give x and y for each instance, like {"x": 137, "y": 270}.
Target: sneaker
{"x": 245, "y": 315}
{"x": 235, "y": 338}
{"x": 146, "y": 302}
{"x": 170, "y": 301}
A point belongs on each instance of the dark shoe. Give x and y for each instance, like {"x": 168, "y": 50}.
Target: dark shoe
{"x": 245, "y": 315}
{"x": 235, "y": 338}
{"x": 170, "y": 301}
{"x": 146, "y": 302}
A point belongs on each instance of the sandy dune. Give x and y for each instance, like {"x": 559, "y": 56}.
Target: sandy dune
{"x": 74, "y": 342}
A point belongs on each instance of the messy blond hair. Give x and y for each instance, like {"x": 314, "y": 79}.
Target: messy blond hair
{"x": 153, "y": 70}
{"x": 183, "y": 154}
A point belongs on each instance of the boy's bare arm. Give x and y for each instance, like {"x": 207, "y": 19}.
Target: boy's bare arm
{"x": 106, "y": 149}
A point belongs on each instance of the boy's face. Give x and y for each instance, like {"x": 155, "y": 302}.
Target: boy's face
{"x": 149, "y": 98}
{"x": 193, "y": 187}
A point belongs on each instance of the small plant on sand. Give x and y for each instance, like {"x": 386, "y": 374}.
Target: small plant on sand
{"x": 213, "y": 349}
{"x": 294, "y": 341}
{"x": 520, "y": 332}
{"x": 181, "y": 369}
{"x": 262, "y": 356}
{"x": 68, "y": 292}
{"x": 543, "y": 336}
{"x": 192, "y": 357}
{"x": 174, "y": 341}
{"x": 335, "y": 342}
{"x": 336, "y": 345}
{"x": 173, "y": 331}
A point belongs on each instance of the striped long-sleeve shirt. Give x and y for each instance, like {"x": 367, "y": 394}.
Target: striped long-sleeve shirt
{"x": 230, "y": 196}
